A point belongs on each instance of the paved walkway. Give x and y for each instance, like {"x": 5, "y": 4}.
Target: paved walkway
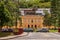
{"x": 38, "y": 36}
{"x": 15, "y": 36}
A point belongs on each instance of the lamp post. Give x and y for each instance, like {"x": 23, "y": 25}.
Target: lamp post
{"x": 34, "y": 9}
{"x": 17, "y": 13}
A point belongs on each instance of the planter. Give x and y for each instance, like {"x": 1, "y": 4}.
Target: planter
{"x": 59, "y": 30}
{"x": 18, "y": 31}
{"x": 15, "y": 33}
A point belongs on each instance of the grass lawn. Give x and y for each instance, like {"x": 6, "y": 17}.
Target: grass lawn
{"x": 3, "y": 34}
{"x": 53, "y": 30}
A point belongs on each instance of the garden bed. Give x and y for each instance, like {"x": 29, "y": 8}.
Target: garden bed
{"x": 53, "y": 30}
{"x": 4, "y": 34}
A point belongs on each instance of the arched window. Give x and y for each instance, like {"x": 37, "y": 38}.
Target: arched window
{"x": 35, "y": 26}
{"x": 32, "y": 26}
{"x": 28, "y": 26}
{"x": 32, "y": 21}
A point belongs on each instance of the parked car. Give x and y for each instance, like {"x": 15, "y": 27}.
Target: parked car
{"x": 10, "y": 30}
{"x": 43, "y": 30}
{"x": 7, "y": 30}
{"x": 28, "y": 30}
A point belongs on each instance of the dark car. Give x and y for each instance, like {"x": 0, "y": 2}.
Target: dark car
{"x": 7, "y": 30}
{"x": 43, "y": 30}
{"x": 10, "y": 30}
{"x": 4, "y": 30}
{"x": 28, "y": 30}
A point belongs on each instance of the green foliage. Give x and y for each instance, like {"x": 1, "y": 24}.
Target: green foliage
{"x": 47, "y": 18}
{"x": 55, "y": 13}
{"x": 8, "y": 12}
{"x": 45, "y": 5}
{"x": 4, "y": 34}
{"x": 53, "y": 30}
{"x": 32, "y": 3}
{"x": 3, "y": 17}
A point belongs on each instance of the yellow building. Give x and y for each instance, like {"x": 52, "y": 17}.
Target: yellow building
{"x": 32, "y": 21}
{"x": 31, "y": 18}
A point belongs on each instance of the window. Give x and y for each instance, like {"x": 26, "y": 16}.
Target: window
{"x": 32, "y": 21}
{"x": 38, "y": 20}
{"x": 35, "y": 26}
{"x": 32, "y": 26}
{"x": 28, "y": 26}
{"x": 28, "y": 20}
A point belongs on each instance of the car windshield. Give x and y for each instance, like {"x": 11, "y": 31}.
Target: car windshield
{"x": 28, "y": 28}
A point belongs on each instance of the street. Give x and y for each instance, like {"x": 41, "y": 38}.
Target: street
{"x": 39, "y": 36}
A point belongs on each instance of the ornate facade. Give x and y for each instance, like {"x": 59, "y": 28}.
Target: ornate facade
{"x": 32, "y": 18}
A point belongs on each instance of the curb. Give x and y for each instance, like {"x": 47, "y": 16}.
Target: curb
{"x": 12, "y": 37}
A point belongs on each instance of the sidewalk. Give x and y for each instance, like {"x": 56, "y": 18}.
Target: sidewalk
{"x": 15, "y": 36}
{"x": 57, "y": 33}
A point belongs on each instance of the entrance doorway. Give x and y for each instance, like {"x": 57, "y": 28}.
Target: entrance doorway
{"x": 35, "y": 26}
{"x": 32, "y": 26}
{"x": 28, "y": 26}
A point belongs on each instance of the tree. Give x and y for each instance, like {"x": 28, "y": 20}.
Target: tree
{"x": 47, "y": 18}
{"x": 3, "y": 17}
{"x": 58, "y": 11}
{"x": 55, "y": 13}
{"x": 13, "y": 8}
{"x": 8, "y": 12}
{"x": 32, "y": 3}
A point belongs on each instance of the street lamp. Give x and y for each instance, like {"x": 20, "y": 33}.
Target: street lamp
{"x": 34, "y": 9}
{"x": 17, "y": 14}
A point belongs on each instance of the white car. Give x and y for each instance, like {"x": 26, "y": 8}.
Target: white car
{"x": 43, "y": 30}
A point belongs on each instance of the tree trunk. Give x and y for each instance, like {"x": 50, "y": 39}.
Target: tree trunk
{"x": 0, "y": 28}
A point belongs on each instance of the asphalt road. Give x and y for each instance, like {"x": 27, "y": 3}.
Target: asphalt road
{"x": 39, "y": 36}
